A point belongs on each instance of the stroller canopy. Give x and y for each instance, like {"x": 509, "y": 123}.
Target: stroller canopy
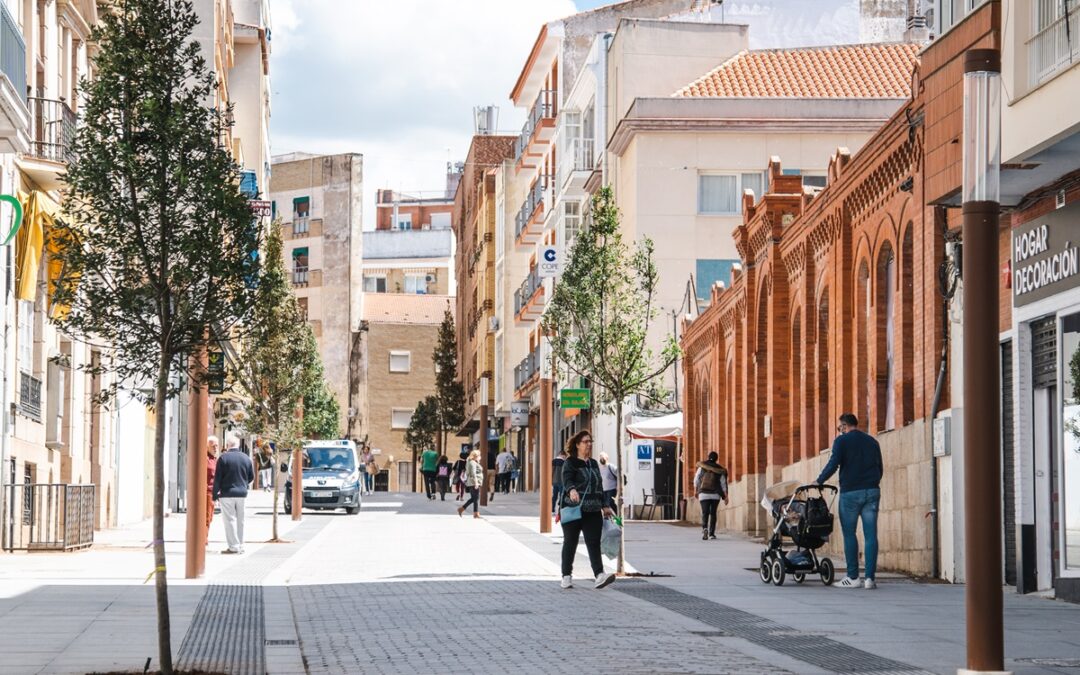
{"x": 778, "y": 491}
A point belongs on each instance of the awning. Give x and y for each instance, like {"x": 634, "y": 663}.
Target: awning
{"x": 38, "y": 213}
{"x": 666, "y": 428}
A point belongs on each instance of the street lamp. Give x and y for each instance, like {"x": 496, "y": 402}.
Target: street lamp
{"x": 982, "y": 395}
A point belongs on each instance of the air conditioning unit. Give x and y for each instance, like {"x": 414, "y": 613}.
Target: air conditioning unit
{"x": 493, "y": 324}
{"x": 430, "y": 278}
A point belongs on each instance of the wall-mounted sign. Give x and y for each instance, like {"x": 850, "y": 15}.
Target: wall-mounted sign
{"x": 548, "y": 266}
{"x": 215, "y": 362}
{"x": 644, "y": 452}
{"x": 1046, "y": 256}
{"x": 262, "y": 208}
{"x": 574, "y": 398}
{"x": 519, "y": 414}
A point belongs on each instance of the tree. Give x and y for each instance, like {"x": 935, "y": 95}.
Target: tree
{"x": 449, "y": 392}
{"x": 158, "y": 245}
{"x": 280, "y": 361}
{"x": 424, "y": 426}
{"x": 599, "y": 315}
{"x": 322, "y": 414}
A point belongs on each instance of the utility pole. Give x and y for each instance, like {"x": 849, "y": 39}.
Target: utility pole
{"x": 484, "y": 438}
{"x": 196, "y": 533}
{"x": 546, "y": 428}
{"x": 982, "y": 394}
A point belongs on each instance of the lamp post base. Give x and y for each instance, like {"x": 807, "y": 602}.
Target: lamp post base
{"x": 965, "y": 671}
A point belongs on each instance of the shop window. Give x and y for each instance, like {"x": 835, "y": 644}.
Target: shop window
{"x": 1069, "y": 516}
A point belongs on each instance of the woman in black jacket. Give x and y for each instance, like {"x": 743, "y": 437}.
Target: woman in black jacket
{"x": 582, "y": 486}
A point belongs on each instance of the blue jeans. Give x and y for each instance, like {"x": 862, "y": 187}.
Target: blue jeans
{"x": 854, "y": 505}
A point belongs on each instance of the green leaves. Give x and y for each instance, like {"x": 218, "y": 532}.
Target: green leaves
{"x": 423, "y": 425}
{"x": 599, "y": 316}
{"x": 449, "y": 393}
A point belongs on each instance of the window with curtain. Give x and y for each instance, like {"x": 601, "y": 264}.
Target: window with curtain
{"x": 374, "y": 283}
{"x": 416, "y": 283}
{"x": 720, "y": 194}
{"x": 301, "y": 207}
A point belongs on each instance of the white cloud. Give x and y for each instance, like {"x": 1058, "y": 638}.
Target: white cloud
{"x": 397, "y": 81}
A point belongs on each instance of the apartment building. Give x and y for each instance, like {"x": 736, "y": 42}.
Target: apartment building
{"x": 401, "y": 331}
{"x": 318, "y": 200}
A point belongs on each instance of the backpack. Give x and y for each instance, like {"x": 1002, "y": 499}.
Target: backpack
{"x": 444, "y": 470}
{"x": 710, "y": 482}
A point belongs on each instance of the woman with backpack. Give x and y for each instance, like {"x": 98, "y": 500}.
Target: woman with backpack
{"x": 583, "y": 510}
{"x": 442, "y": 476}
{"x": 711, "y": 485}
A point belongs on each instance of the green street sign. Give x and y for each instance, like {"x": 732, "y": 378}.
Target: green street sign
{"x": 215, "y": 362}
{"x": 216, "y": 384}
{"x": 575, "y": 398}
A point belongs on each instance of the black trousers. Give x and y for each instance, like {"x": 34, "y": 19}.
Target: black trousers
{"x": 591, "y": 524}
{"x": 429, "y": 483}
{"x": 474, "y": 499}
{"x": 708, "y": 514}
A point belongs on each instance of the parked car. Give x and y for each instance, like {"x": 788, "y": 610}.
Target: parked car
{"x": 331, "y": 477}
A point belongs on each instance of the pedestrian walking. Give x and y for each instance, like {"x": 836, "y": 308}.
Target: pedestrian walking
{"x": 233, "y": 474}
{"x": 858, "y": 457}
{"x": 609, "y": 475}
{"x": 458, "y": 474}
{"x": 489, "y": 475}
{"x": 442, "y": 476}
{"x": 504, "y": 464}
{"x": 372, "y": 471}
{"x": 265, "y": 458}
{"x": 583, "y": 509}
{"x": 474, "y": 481}
{"x": 429, "y": 463}
{"x": 212, "y": 445}
{"x": 556, "y": 479}
{"x": 366, "y": 459}
{"x": 711, "y": 485}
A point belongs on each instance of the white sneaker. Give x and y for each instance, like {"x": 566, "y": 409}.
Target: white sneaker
{"x": 869, "y": 584}
{"x": 567, "y": 582}
{"x": 604, "y": 579}
{"x": 848, "y": 582}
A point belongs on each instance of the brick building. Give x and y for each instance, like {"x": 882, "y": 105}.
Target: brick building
{"x": 834, "y": 308}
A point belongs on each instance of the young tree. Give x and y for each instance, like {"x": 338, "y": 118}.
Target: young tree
{"x": 424, "y": 426}
{"x": 599, "y": 315}
{"x": 449, "y": 392}
{"x": 322, "y": 414}
{"x": 159, "y": 242}
{"x": 280, "y": 360}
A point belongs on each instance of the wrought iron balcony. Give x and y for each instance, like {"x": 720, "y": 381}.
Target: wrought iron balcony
{"x": 300, "y": 275}
{"x": 539, "y": 126}
{"x": 52, "y": 130}
{"x": 529, "y": 221}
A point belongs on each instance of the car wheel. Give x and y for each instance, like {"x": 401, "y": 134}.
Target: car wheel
{"x": 352, "y": 510}
{"x": 827, "y": 571}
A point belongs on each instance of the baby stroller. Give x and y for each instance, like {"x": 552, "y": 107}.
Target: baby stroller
{"x": 803, "y": 514}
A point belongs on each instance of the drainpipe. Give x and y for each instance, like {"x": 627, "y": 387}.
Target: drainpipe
{"x": 935, "y": 532}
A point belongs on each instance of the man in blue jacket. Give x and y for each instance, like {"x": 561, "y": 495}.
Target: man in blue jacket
{"x": 234, "y": 473}
{"x": 858, "y": 456}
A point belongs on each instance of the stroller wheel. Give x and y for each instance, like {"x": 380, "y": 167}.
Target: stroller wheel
{"x": 766, "y": 569}
{"x": 799, "y": 577}
{"x": 778, "y": 571}
{"x": 827, "y": 571}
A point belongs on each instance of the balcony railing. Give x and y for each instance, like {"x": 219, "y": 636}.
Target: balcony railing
{"x": 578, "y": 155}
{"x": 1056, "y": 46}
{"x": 12, "y": 52}
{"x": 533, "y": 200}
{"x": 52, "y": 132}
{"x": 300, "y": 275}
{"x": 542, "y": 108}
{"x": 301, "y": 226}
{"x": 30, "y": 396}
{"x": 526, "y": 291}
{"x": 527, "y": 369}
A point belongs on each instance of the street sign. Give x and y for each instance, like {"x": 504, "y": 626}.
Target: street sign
{"x": 575, "y": 398}
{"x": 519, "y": 414}
{"x": 550, "y": 262}
{"x": 215, "y": 384}
{"x": 215, "y": 362}
{"x": 262, "y": 208}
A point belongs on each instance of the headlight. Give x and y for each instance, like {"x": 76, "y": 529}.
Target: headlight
{"x": 350, "y": 485}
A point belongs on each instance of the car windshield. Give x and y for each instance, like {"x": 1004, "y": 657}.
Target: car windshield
{"x": 335, "y": 459}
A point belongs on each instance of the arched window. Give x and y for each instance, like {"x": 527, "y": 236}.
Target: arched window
{"x": 796, "y": 416}
{"x": 907, "y": 324}
{"x": 824, "y": 433}
{"x": 885, "y": 282}
{"x": 761, "y": 385}
{"x": 863, "y": 307}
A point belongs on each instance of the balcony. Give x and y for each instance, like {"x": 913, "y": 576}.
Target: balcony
{"x": 529, "y": 223}
{"x": 530, "y": 298}
{"x": 527, "y": 372}
{"x": 30, "y": 396}
{"x": 578, "y": 160}
{"x": 14, "y": 116}
{"x": 1054, "y": 47}
{"x": 52, "y": 141}
{"x": 538, "y": 130}
{"x": 304, "y": 277}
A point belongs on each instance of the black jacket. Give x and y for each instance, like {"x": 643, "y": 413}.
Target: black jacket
{"x": 583, "y": 476}
{"x": 234, "y": 474}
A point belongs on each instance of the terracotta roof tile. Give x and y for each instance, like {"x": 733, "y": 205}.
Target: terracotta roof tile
{"x": 846, "y": 71}
{"x": 406, "y": 308}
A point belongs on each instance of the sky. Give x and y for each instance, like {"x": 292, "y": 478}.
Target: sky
{"x": 397, "y": 81}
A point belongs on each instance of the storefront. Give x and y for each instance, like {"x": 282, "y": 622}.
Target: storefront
{"x": 1044, "y": 276}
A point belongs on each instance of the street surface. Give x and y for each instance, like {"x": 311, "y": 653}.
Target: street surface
{"x": 406, "y": 586}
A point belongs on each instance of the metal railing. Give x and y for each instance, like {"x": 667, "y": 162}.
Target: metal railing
{"x": 578, "y": 155}
{"x": 533, "y": 200}
{"x": 300, "y": 275}
{"x": 527, "y": 369}
{"x": 12, "y": 52}
{"x": 48, "y": 517}
{"x": 1056, "y": 46}
{"x": 526, "y": 291}
{"x": 52, "y": 132}
{"x": 30, "y": 396}
{"x": 543, "y": 107}
{"x": 301, "y": 225}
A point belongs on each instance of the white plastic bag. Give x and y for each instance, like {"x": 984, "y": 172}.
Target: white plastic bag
{"x": 610, "y": 538}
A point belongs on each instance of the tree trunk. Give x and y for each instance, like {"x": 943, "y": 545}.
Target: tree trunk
{"x": 161, "y": 587}
{"x": 273, "y": 493}
{"x": 620, "y": 565}
{"x": 415, "y": 469}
